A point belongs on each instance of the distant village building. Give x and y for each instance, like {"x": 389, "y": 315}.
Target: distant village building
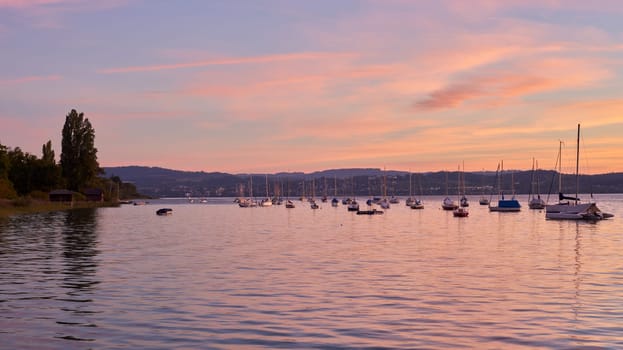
{"x": 94, "y": 195}
{"x": 61, "y": 196}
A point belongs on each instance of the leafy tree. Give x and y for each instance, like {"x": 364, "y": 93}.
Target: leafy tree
{"x": 78, "y": 156}
{"x": 6, "y": 187}
{"x": 48, "y": 153}
{"x": 4, "y": 162}
{"x": 47, "y": 173}
{"x": 22, "y": 170}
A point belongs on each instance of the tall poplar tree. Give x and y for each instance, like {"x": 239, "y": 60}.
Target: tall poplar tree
{"x": 78, "y": 156}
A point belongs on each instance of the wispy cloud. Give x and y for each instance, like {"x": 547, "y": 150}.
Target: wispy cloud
{"x": 29, "y": 79}
{"x": 523, "y": 78}
{"x": 227, "y": 61}
{"x": 51, "y": 13}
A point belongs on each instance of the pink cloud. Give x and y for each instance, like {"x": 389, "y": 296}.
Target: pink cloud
{"x": 523, "y": 78}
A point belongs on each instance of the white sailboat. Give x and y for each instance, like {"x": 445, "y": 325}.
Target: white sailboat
{"x": 335, "y": 201}
{"x": 248, "y": 202}
{"x": 535, "y": 202}
{"x": 448, "y": 203}
{"x": 312, "y": 201}
{"x": 384, "y": 203}
{"x": 266, "y": 202}
{"x": 410, "y": 201}
{"x": 461, "y": 211}
{"x": 570, "y": 208}
{"x": 417, "y": 204}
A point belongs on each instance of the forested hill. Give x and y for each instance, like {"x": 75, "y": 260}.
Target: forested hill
{"x": 161, "y": 182}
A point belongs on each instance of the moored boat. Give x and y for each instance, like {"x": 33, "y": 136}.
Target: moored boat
{"x": 535, "y": 201}
{"x": 570, "y": 208}
{"x": 164, "y": 211}
{"x": 504, "y": 205}
{"x": 417, "y": 204}
{"x": 460, "y": 212}
{"x": 448, "y": 204}
{"x": 353, "y": 206}
{"x": 370, "y": 212}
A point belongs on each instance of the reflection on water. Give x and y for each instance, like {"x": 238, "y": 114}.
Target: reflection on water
{"x": 48, "y": 270}
{"x": 218, "y": 276}
{"x": 79, "y": 240}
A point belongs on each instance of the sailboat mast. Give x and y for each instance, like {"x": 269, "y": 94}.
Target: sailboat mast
{"x": 577, "y": 167}
{"x": 458, "y": 190}
{"x": 538, "y": 182}
{"x": 560, "y": 166}
{"x": 532, "y": 181}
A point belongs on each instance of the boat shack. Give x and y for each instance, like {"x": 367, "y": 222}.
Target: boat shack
{"x": 61, "y": 196}
{"x": 94, "y": 195}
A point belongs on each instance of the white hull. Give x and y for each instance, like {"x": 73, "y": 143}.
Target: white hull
{"x": 586, "y": 211}
{"x": 449, "y": 204}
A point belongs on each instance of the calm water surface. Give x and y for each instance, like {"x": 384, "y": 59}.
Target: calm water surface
{"x": 215, "y": 276}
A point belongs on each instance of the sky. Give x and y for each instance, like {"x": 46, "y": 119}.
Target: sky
{"x": 278, "y": 85}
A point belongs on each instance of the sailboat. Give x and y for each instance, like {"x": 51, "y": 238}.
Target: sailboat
{"x": 463, "y": 201}
{"x": 569, "y": 208}
{"x": 384, "y": 203}
{"x": 418, "y": 202}
{"x": 335, "y": 201}
{"x": 266, "y": 202}
{"x": 461, "y": 211}
{"x": 289, "y": 203}
{"x": 483, "y": 200}
{"x": 312, "y": 201}
{"x": 410, "y": 201}
{"x": 248, "y": 202}
{"x": 352, "y": 204}
{"x": 448, "y": 203}
{"x": 505, "y": 205}
{"x": 324, "y": 197}
{"x": 535, "y": 202}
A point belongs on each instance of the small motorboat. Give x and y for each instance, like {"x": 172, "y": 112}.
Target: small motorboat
{"x": 369, "y": 212}
{"x": 164, "y": 211}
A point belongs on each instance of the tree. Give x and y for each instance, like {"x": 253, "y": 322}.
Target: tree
{"x": 48, "y": 153}
{"x": 22, "y": 170}
{"x": 79, "y": 164}
{"x": 47, "y": 173}
{"x": 4, "y": 162}
{"x": 6, "y": 186}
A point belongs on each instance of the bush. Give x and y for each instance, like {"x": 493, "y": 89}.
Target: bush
{"x": 22, "y": 202}
{"x": 39, "y": 195}
{"x": 6, "y": 189}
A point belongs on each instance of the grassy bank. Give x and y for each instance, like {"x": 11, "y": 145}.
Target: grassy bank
{"x": 21, "y": 206}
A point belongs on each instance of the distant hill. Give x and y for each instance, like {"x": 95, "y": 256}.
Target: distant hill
{"x": 363, "y": 182}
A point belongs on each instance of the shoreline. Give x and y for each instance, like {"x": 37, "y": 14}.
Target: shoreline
{"x": 9, "y": 208}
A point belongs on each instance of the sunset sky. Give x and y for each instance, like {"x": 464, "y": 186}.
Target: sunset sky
{"x": 269, "y": 86}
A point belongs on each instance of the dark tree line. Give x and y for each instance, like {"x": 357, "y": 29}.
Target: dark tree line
{"x": 22, "y": 173}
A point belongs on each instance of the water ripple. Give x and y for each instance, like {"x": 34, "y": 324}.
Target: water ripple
{"x": 219, "y": 277}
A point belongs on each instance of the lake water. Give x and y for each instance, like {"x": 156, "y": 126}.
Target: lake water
{"x": 216, "y": 276}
